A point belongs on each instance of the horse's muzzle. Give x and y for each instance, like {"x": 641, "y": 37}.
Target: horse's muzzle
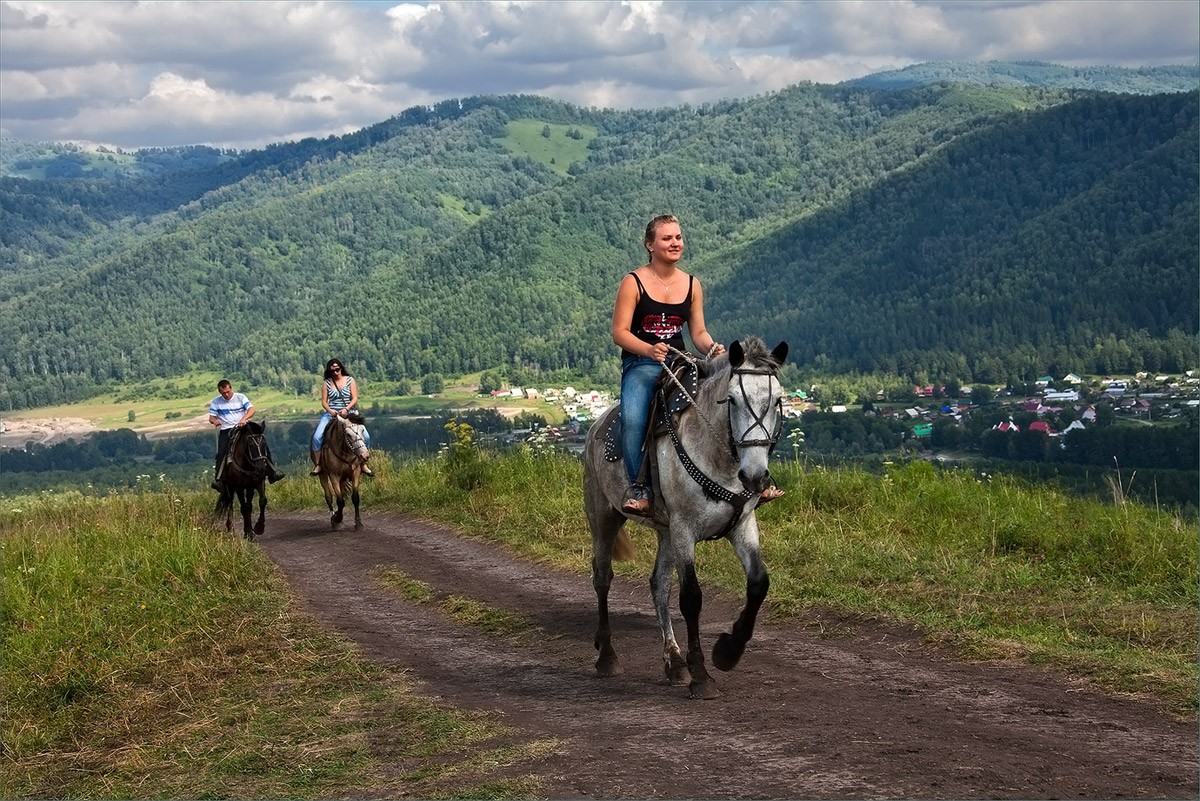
{"x": 756, "y": 483}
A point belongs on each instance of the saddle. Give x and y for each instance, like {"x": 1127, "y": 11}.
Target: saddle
{"x": 668, "y": 398}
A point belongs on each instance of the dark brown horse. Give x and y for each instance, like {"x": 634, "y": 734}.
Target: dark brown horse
{"x": 343, "y": 453}
{"x": 245, "y": 474}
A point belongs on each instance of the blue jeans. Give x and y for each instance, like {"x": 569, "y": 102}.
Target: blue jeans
{"x": 319, "y": 435}
{"x": 639, "y": 375}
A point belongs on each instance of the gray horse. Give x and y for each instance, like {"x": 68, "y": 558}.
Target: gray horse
{"x": 709, "y": 465}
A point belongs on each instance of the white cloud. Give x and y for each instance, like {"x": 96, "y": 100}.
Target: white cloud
{"x": 248, "y": 73}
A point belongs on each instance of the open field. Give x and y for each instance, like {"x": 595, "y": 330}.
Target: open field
{"x": 180, "y": 406}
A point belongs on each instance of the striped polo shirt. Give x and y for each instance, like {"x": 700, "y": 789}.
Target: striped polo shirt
{"x": 229, "y": 411}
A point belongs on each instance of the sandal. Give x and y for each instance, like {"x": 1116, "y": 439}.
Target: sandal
{"x": 637, "y": 506}
{"x": 768, "y": 495}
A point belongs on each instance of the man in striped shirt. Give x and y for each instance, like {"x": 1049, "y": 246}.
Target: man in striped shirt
{"x": 231, "y": 410}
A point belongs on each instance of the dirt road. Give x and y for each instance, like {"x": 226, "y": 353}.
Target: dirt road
{"x": 823, "y": 708}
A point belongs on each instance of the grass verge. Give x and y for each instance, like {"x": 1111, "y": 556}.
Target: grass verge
{"x": 146, "y": 656}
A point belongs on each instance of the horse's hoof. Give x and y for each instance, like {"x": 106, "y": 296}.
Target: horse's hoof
{"x": 704, "y": 690}
{"x": 678, "y": 676}
{"x": 727, "y": 653}
{"x": 608, "y": 667}
{"x": 676, "y": 670}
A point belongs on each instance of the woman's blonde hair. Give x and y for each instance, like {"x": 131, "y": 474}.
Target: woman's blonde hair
{"x": 652, "y": 226}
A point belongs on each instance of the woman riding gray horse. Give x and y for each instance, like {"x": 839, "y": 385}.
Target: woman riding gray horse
{"x": 709, "y": 462}
{"x": 647, "y": 325}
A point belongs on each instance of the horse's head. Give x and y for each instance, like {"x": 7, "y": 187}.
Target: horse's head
{"x": 754, "y": 398}
{"x": 249, "y": 447}
{"x": 354, "y": 436}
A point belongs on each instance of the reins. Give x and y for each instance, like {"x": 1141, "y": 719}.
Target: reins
{"x": 710, "y": 487}
{"x": 252, "y": 447}
{"x": 769, "y": 437}
{"x": 338, "y": 446}
{"x": 689, "y": 358}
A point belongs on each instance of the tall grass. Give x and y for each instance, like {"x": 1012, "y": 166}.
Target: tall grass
{"x": 147, "y": 655}
{"x": 994, "y": 567}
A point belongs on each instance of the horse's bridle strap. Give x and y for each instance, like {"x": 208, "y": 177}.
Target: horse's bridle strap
{"x": 711, "y": 488}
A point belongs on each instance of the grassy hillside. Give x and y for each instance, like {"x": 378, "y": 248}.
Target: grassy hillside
{"x": 105, "y": 654}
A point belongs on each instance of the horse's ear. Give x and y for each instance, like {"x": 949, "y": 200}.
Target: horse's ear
{"x": 780, "y": 353}
{"x": 736, "y": 354}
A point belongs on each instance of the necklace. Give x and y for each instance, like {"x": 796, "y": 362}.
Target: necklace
{"x": 661, "y": 282}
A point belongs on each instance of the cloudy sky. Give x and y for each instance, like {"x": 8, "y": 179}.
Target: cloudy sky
{"x": 244, "y": 74}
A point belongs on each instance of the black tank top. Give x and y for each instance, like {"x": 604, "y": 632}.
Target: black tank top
{"x": 655, "y": 321}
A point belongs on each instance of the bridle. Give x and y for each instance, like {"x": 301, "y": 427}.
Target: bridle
{"x": 353, "y": 441}
{"x": 253, "y": 447}
{"x": 769, "y": 437}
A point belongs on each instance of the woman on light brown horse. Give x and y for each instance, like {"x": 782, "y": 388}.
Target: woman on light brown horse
{"x": 339, "y": 398}
{"x": 344, "y": 454}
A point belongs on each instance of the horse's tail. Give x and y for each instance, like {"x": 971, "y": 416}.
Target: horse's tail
{"x": 623, "y": 549}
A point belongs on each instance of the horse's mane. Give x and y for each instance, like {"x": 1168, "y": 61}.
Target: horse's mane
{"x": 712, "y": 389}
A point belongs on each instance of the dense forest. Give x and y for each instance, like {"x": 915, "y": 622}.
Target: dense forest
{"x": 949, "y": 230}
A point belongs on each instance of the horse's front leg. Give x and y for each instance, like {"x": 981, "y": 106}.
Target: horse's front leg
{"x": 333, "y": 499}
{"x": 246, "y": 502}
{"x": 690, "y": 602}
{"x": 335, "y": 519}
{"x": 261, "y": 524}
{"x": 675, "y": 667}
{"x": 731, "y": 645}
{"x": 358, "y": 524}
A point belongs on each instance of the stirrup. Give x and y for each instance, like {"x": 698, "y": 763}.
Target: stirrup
{"x": 366, "y": 471}
{"x": 639, "y": 507}
{"x": 637, "y": 501}
{"x": 769, "y": 494}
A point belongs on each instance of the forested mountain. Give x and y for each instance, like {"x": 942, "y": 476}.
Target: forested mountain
{"x": 1131, "y": 80}
{"x": 955, "y": 231}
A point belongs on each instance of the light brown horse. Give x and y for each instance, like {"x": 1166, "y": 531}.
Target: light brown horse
{"x": 343, "y": 453}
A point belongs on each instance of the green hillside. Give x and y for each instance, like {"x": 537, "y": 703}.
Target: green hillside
{"x": 967, "y": 232}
